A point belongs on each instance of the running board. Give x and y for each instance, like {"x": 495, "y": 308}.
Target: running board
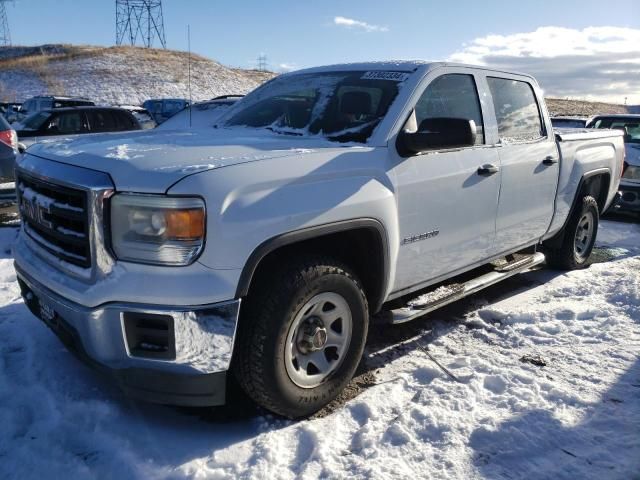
{"x": 450, "y": 293}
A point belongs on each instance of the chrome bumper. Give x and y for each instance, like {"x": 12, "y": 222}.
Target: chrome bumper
{"x": 189, "y": 371}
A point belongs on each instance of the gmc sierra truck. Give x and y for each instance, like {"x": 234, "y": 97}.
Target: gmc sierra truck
{"x": 259, "y": 249}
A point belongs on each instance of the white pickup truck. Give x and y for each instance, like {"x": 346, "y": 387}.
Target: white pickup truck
{"x": 260, "y": 249}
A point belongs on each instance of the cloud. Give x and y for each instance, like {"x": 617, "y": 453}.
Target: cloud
{"x": 287, "y": 67}
{"x": 595, "y": 63}
{"x": 358, "y": 24}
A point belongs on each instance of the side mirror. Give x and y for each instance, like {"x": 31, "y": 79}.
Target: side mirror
{"x": 437, "y": 133}
{"x": 22, "y": 147}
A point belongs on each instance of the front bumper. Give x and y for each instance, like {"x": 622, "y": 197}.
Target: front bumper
{"x": 630, "y": 197}
{"x": 191, "y": 371}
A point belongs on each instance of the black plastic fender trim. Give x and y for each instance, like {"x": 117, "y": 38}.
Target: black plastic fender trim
{"x": 309, "y": 233}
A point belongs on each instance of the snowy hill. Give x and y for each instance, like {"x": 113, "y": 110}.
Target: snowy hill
{"x": 117, "y": 75}
{"x": 581, "y": 108}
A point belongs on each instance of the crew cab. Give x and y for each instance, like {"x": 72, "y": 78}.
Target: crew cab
{"x": 261, "y": 248}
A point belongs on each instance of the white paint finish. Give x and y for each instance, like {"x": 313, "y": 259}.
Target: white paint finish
{"x": 258, "y": 185}
{"x": 443, "y": 191}
{"x": 527, "y": 192}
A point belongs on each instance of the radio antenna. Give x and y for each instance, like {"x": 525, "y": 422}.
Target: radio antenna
{"x": 189, "y": 71}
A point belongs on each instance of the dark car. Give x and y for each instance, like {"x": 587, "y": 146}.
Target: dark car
{"x": 630, "y": 182}
{"x": 48, "y": 102}
{"x": 164, "y": 108}
{"x": 74, "y": 121}
{"x": 569, "y": 122}
{"x": 8, "y": 150}
{"x": 10, "y": 110}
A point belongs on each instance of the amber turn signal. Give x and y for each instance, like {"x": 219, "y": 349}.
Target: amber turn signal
{"x": 185, "y": 224}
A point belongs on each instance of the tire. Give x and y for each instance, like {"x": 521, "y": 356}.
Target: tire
{"x": 279, "y": 333}
{"x": 575, "y": 251}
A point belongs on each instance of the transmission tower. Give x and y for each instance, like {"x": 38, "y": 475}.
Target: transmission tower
{"x": 262, "y": 62}
{"x": 139, "y": 19}
{"x": 5, "y": 34}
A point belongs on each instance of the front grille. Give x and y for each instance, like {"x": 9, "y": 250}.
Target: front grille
{"x": 56, "y": 218}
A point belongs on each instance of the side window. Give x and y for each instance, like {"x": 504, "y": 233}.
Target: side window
{"x": 123, "y": 121}
{"x": 66, "y": 123}
{"x": 171, "y": 107}
{"x": 28, "y": 106}
{"x": 516, "y": 109}
{"x": 452, "y": 96}
{"x": 101, "y": 121}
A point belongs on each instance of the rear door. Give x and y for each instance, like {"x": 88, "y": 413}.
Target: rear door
{"x": 447, "y": 208}
{"x": 529, "y": 163}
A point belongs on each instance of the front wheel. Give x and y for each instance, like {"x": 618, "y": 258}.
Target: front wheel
{"x": 301, "y": 336}
{"x": 579, "y": 238}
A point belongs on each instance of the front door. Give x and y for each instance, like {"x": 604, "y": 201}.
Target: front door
{"x": 447, "y": 208}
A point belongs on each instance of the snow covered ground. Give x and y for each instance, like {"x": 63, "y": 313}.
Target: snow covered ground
{"x": 500, "y": 414}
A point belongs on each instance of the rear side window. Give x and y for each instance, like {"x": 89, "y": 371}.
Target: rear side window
{"x": 452, "y": 96}
{"x": 101, "y": 121}
{"x": 516, "y": 109}
{"x": 124, "y": 121}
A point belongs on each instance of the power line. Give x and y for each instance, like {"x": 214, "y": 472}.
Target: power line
{"x": 5, "y": 34}
{"x": 140, "y": 19}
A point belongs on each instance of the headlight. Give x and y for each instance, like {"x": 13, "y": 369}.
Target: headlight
{"x": 155, "y": 229}
{"x": 632, "y": 173}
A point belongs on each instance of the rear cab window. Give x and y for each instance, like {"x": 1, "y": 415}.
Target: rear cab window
{"x": 517, "y": 110}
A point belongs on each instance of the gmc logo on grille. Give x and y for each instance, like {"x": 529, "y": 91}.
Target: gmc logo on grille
{"x": 31, "y": 209}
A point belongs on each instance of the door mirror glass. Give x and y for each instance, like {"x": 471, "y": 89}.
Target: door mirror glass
{"x": 438, "y": 132}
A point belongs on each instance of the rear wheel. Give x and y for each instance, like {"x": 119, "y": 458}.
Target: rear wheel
{"x": 301, "y": 336}
{"x": 579, "y": 238}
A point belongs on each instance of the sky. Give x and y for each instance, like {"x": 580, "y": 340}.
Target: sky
{"x": 577, "y": 49}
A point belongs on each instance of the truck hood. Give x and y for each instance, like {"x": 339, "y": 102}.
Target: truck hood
{"x": 152, "y": 161}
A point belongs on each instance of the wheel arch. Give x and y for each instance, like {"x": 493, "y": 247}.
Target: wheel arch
{"x": 362, "y": 243}
{"x": 595, "y": 183}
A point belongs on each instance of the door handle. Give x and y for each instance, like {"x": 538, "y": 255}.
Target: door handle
{"x": 549, "y": 160}
{"x": 487, "y": 169}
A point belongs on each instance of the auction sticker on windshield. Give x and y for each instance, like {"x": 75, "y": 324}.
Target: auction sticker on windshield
{"x": 381, "y": 75}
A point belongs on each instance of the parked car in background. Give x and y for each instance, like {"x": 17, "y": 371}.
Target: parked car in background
{"x": 260, "y": 248}
{"x": 8, "y": 150}
{"x": 49, "y": 124}
{"x": 164, "y": 108}
{"x": 10, "y": 110}
{"x": 201, "y": 114}
{"x": 48, "y": 102}
{"x": 141, "y": 114}
{"x": 569, "y": 122}
{"x": 630, "y": 181}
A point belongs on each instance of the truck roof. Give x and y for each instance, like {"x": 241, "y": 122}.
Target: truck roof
{"x": 408, "y": 66}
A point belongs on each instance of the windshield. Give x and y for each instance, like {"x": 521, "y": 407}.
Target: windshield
{"x": 630, "y": 126}
{"x": 35, "y": 121}
{"x": 341, "y": 106}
